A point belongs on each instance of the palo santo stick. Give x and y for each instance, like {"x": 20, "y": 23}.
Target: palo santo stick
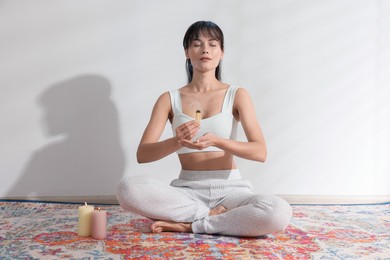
{"x": 197, "y": 116}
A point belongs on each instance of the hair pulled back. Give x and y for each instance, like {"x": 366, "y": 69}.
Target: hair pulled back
{"x": 193, "y": 32}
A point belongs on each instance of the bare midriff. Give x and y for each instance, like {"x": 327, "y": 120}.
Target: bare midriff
{"x": 207, "y": 161}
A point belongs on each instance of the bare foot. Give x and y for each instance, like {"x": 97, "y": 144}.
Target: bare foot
{"x": 164, "y": 226}
{"x": 217, "y": 210}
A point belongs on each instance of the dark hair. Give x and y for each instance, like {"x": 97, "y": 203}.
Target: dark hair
{"x": 193, "y": 32}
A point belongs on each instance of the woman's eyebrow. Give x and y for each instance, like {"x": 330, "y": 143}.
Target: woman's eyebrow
{"x": 199, "y": 40}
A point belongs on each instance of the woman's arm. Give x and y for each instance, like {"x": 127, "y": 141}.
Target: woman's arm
{"x": 255, "y": 148}
{"x": 149, "y": 148}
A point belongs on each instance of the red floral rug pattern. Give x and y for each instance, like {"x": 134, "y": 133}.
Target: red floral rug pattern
{"x": 38, "y": 230}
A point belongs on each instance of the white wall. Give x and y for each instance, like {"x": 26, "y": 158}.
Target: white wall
{"x": 79, "y": 78}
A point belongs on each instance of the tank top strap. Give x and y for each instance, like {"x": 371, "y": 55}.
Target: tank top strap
{"x": 175, "y": 101}
{"x": 229, "y": 99}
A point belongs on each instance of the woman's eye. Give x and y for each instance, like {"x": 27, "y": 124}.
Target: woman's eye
{"x": 213, "y": 43}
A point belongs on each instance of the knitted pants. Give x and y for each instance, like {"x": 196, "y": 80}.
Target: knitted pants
{"x": 190, "y": 198}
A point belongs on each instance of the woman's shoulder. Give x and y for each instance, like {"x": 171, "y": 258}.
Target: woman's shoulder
{"x": 240, "y": 90}
{"x": 171, "y": 91}
{"x": 241, "y": 95}
{"x": 166, "y": 96}
{"x": 163, "y": 95}
{"x": 164, "y": 99}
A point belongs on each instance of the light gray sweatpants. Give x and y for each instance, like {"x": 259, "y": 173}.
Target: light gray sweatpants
{"x": 190, "y": 198}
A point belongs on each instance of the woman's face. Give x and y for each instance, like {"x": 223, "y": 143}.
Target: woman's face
{"x": 205, "y": 53}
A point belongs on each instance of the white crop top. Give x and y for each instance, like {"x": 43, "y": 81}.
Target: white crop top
{"x": 223, "y": 124}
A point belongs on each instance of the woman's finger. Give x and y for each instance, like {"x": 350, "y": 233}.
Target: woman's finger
{"x": 187, "y": 130}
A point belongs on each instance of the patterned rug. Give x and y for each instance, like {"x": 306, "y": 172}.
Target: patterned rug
{"x": 38, "y": 230}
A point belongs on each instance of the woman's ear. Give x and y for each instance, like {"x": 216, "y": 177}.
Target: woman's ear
{"x": 221, "y": 58}
{"x": 186, "y": 53}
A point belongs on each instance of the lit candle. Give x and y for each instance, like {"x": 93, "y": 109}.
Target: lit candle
{"x": 99, "y": 224}
{"x": 85, "y": 216}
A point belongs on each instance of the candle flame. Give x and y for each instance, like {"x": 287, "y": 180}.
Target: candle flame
{"x": 99, "y": 208}
{"x": 86, "y": 204}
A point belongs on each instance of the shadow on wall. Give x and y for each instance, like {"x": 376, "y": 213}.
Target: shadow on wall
{"x": 89, "y": 159}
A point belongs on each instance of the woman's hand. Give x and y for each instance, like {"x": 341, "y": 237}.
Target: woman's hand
{"x": 187, "y": 131}
{"x": 201, "y": 143}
